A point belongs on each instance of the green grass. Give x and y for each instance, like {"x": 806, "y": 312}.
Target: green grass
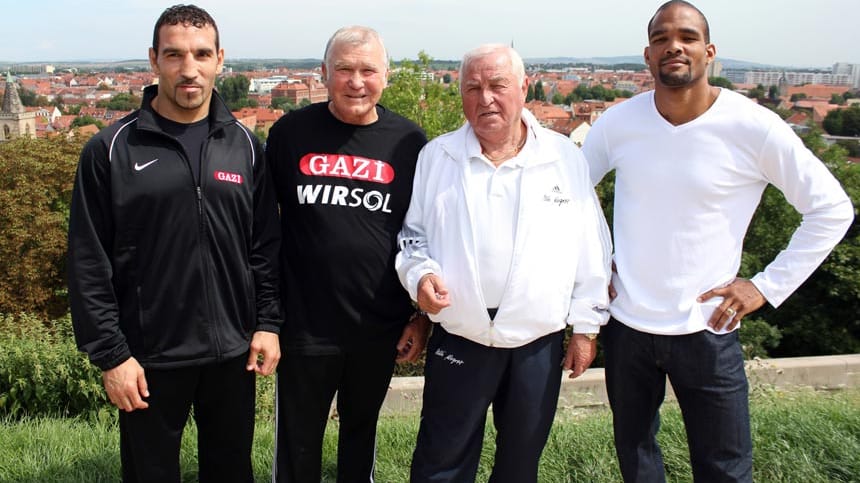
{"x": 799, "y": 436}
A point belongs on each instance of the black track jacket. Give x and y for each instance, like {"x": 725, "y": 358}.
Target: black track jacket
{"x": 160, "y": 268}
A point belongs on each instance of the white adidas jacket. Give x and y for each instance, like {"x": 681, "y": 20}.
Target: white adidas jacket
{"x": 561, "y": 258}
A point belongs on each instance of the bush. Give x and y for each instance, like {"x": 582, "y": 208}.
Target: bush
{"x": 43, "y": 374}
{"x": 757, "y": 336}
{"x": 36, "y": 177}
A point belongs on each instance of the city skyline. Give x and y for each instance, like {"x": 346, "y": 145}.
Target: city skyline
{"x": 790, "y": 33}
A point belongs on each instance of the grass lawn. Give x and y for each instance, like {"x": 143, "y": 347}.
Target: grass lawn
{"x": 799, "y": 436}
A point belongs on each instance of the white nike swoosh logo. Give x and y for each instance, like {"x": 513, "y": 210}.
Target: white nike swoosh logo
{"x": 138, "y": 167}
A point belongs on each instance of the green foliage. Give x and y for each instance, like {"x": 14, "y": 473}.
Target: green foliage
{"x": 799, "y": 437}
{"x": 540, "y": 93}
{"x": 86, "y": 121}
{"x": 843, "y": 122}
{"x": 30, "y": 99}
{"x": 773, "y": 93}
{"x": 837, "y": 99}
{"x": 434, "y": 106}
{"x": 757, "y": 337}
{"x": 284, "y": 103}
{"x": 43, "y": 374}
{"x": 721, "y": 82}
{"x": 797, "y": 97}
{"x": 234, "y": 90}
{"x": 597, "y": 92}
{"x": 758, "y": 92}
{"x": 530, "y": 93}
{"x": 852, "y": 148}
{"x": 36, "y": 178}
{"x": 121, "y": 102}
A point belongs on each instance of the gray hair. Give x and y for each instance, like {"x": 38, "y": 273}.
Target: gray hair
{"x": 354, "y": 35}
{"x": 517, "y": 66}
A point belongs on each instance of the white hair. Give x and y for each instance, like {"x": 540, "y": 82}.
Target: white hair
{"x": 353, "y": 35}
{"x": 517, "y": 66}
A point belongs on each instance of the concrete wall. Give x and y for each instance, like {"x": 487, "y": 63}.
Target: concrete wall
{"x": 826, "y": 372}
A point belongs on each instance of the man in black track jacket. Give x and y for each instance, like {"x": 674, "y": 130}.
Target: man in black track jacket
{"x": 173, "y": 272}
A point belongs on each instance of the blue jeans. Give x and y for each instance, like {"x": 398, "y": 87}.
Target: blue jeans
{"x": 707, "y": 374}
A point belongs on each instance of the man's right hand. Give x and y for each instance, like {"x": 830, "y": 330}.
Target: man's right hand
{"x": 125, "y": 385}
{"x": 432, "y": 294}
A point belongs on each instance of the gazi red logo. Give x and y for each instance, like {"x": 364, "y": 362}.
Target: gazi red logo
{"x": 228, "y": 177}
{"x": 346, "y": 166}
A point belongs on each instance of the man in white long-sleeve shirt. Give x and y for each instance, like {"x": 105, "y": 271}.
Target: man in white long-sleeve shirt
{"x": 504, "y": 243}
{"x": 691, "y": 162}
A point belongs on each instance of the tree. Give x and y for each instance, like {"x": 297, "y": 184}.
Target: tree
{"x": 283, "y": 103}
{"x": 540, "y": 94}
{"x": 721, "y": 82}
{"x": 843, "y": 122}
{"x": 773, "y": 93}
{"x": 446, "y": 78}
{"x": 30, "y": 99}
{"x": 797, "y": 97}
{"x": 35, "y": 191}
{"x": 837, "y": 99}
{"x": 121, "y": 102}
{"x": 530, "y": 93}
{"x": 756, "y": 93}
{"x": 437, "y": 108}
{"x": 557, "y": 98}
{"x": 86, "y": 121}
{"x": 234, "y": 90}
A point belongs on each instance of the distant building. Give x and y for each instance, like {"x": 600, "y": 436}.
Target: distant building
{"x": 851, "y": 70}
{"x": 715, "y": 69}
{"x": 793, "y": 78}
{"x": 15, "y": 121}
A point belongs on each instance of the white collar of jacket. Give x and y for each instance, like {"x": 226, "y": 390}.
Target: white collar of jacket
{"x": 463, "y": 145}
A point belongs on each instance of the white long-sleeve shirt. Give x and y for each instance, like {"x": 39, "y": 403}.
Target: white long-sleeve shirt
{"x": 561, "y": 254}
{"x": 684, "y": 198}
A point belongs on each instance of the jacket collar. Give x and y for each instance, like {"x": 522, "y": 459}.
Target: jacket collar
{"x": 462, "y": 144}
{"x": 219, "y": 113}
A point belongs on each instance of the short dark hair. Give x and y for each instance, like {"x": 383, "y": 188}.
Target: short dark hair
{"x": 185, "y": 15}
{"x": 682, "y": 3}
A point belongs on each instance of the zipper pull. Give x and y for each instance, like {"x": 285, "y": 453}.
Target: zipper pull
{"x": 199, "y": 201}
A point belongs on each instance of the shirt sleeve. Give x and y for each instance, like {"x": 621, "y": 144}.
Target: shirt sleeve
{"x": 810, "y": 187}
{"x": 589, "y": 303}
{"x": 413, "y": 259}
{"x": 94, "y": 307}
{"x": 266, "y": 246}
{"x": 596, "y": 153}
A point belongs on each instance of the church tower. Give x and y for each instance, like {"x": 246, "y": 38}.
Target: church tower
{"x": 14, "y": 120}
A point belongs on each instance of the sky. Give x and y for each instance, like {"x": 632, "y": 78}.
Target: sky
{"x": 794, "y": 33}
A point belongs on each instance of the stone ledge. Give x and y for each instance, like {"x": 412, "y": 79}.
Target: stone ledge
{"x": 824, "y": 372}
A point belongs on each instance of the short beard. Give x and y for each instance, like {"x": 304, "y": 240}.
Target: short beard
{"x": 676, "y": 80}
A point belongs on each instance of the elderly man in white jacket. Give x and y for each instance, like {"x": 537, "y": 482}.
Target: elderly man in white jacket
{"x": 504, "y": 244}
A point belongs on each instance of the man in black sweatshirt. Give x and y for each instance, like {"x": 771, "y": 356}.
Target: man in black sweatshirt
{"x": 173, "y": 275}
{"x": 343, "y": 174}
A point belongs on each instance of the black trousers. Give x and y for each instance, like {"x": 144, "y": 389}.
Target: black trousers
{"x": 306, "y": 386}
{"x": 462, "y": 379}
{"x": 222, "y": 396}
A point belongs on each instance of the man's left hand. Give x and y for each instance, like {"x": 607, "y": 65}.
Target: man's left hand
{"x": 414, "y": 339}
{"x": 740, "y": 298}
{"x": 580, "y": 353}
{"x": 265, "y": 353}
